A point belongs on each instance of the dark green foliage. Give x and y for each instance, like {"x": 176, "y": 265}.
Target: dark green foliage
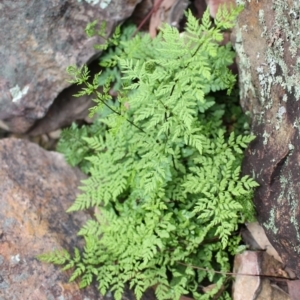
{"x": 164, "y": 170}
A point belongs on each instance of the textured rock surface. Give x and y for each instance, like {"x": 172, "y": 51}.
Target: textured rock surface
{"x": 64, "y": 110}
{"x": 246, "y": 287}
{"x": 268, "y": 47}
{"x": 255, "y": 287}
{"x": 39, "y": 39}
{"x": 36, "y": 188}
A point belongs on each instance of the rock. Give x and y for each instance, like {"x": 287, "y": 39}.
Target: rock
{"x": 258, "y": 234}
{"x": 245, "y": 287}
{"x": 252, "y": 281}
{"x": 39, "y": 40}
{"x": 36, "y": 188}
{"x": 267, "y": 44}
{"x": 64, "y": 110}
{"x": 294, "y": 289}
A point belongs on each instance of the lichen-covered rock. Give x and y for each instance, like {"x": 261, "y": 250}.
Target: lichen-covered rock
{"x": 267, "y": 42}
{"x": 39, "y": 40}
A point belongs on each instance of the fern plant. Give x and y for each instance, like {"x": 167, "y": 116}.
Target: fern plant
{"x": 164, "y": 172}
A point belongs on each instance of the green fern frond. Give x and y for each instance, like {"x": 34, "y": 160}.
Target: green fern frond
{"x": 164, "y": 171}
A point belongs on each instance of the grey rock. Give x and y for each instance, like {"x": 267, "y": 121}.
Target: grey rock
{"x": 39, "y": 40}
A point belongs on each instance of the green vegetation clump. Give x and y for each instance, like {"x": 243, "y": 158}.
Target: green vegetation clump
{"x": 164, "y": 170}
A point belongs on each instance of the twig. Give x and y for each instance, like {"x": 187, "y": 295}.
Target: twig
{"x": 279, "y": 278}
{"x": 152, "y": 11}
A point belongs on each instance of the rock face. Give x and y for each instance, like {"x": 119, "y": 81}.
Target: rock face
{"x": 36, "y": 188}
{"x": 267, "y": 42}
{"x": 39, "y": 39}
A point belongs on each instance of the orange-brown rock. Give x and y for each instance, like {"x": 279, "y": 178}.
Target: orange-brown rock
{"x": 36, "y": 187}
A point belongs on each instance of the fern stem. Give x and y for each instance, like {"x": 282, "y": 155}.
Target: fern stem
{"x": 118, "y": 113}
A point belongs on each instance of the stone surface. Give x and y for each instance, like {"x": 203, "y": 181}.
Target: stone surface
{"x": 267, "y": 42}
{"x": 246, "y": 287}
{"x": 258, "y": 234}
{"x": 39, "y": 39}
{"x": 294, "y": 289}
{"x": 256, "y": 277}
{"x": 36, "y": 188}
{"x": 64, "y": 110}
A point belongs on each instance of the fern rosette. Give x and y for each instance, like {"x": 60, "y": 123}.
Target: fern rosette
{"x": 164, "y": 171}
